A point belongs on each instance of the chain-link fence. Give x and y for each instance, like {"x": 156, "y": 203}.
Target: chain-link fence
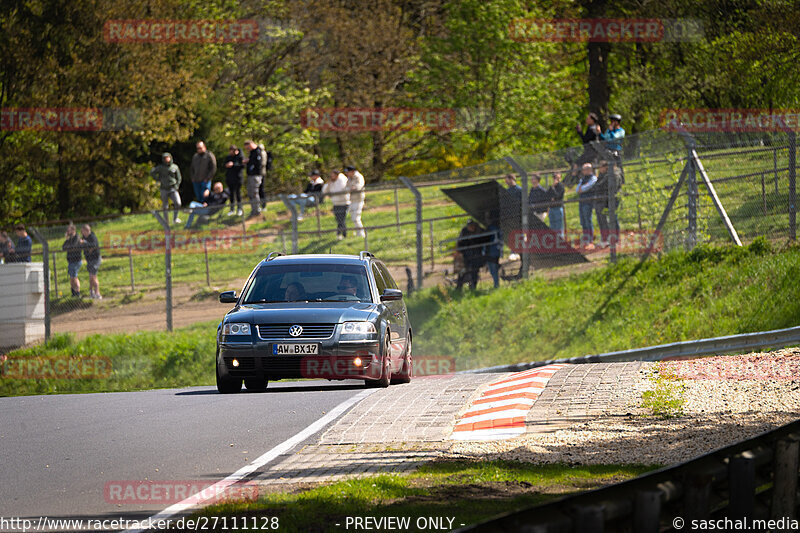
{"x": 653, "y": 192}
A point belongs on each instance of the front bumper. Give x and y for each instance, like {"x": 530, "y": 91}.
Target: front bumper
{"x": 335, "y": 361}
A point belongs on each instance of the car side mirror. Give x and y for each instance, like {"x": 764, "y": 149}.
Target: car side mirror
{"x": 391, "y": 295}
{"x": 227, "y": 297}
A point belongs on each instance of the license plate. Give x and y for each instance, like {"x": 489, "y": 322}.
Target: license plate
{"x": 295, "y": 349}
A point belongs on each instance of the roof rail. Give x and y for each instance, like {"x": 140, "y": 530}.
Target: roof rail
{"x": 273, "y": 255}
{"x": 364, "y": 254}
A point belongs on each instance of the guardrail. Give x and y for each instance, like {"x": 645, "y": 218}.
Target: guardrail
{"x": 715, "y": 345}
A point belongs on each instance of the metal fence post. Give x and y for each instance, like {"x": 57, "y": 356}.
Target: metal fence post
{"x": 396, "y": 207}
{"x": 613, "y": 224}
{"x": 205, "y": 253}
{"x": 167, "y": 265}
{"x": 46, "y": 276}
{"x": 293, "y": 212}
{"x": 418, "y": 202}
{"x": 693, "y": 194}
{"x": 792, "y": 184}
{"x": 55, "y": 274}
{"x": 526, "y": 256}
{"x": 130, "y": 265}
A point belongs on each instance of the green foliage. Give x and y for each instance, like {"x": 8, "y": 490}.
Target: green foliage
{"x": 665, "y": 399}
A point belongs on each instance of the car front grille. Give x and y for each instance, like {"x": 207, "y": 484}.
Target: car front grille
{"x": 281, "y": 331}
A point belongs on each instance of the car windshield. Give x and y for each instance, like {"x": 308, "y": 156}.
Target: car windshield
{"x": 303, "y": 282}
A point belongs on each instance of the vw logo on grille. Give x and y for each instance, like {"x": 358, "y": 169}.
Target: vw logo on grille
{"x": 296, "y": 331}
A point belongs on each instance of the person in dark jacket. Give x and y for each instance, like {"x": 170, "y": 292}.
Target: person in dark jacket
{"x": 556, "y": 197}
{"x": 202, "y": 170}
{"x": 310, "y": 195}
{"x": 585, "y": 190}
{"x": 538, "y": 197}
{"x": 601, "y": 204}
{"x": 72, "y": 245}
{"x": 22, "y": 251}
{"x": 213, "y": 202}
{"x": 255, "y": 161}
{"x": 470, "y": 246}
{"x": 91, "y": 252}
{"x": 6, "y": 247}
{"x": 234, "y": 165}
{"x": 168, "y": 176}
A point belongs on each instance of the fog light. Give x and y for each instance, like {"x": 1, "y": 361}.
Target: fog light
{"x": 357, "y": 361}
{"x": 235, "y": 363}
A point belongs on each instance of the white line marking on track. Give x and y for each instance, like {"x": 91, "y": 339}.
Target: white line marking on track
{"x": 217, "y": 488}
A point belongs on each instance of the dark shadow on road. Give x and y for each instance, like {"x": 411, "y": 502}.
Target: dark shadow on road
{"x": 279, "y": 388}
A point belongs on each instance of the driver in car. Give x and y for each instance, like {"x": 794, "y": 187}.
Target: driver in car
{"x": 295, "y": 291}
{"x": 347, "y": 286}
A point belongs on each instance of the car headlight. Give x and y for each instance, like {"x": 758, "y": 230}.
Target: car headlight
{"x": 358, "y": 328}
{"x": 236, "y": 329}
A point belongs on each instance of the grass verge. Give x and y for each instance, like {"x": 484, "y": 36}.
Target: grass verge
{"x": 452, "y": 493}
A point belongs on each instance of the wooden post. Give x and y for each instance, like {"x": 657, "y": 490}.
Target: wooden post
{"x": 764, "y": 194}
{"x": 316, "y": 207}
{"x": 742, "y": 485}
{"x": 430, "y": 231}
{"x": 396, "y": 207}
{"x": 205, "y": 252}
{"x": 784, "y": 485}
{"x": 588, "y": 518}
{"x": 130, "y": 265}
{"x": 697, "y": 501}
{"x": 647, "y": 511}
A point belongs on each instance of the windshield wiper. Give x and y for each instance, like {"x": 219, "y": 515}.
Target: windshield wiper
{"x": 264, "y": 301}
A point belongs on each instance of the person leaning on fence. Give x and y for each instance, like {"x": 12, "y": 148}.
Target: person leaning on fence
{"x": 6, "y": 248}
{"x": 555, "y": 196}
{"x": 601, "y": 204}
{"x": 22, "y": 251}
{"x": 310, "y": 195}
{"x": 493, "y": 251}
{"x": 255, "y": 163}
{"x": 336, "y": 188}
{"x": 168, "y": 176}
{"x": 585, "y": 190}
{"x": 72, "y": 246}
{"x": 91, "y": 252}
{"x": 234, "y": 164}
{"x": 355, "y": 184}
{"x": 470, "y": 247}
{"x": 213, "y": 202}
{"x": 202, "y": 170}
{"x": 513, "y": 188}
{"x": 538, "y": 198}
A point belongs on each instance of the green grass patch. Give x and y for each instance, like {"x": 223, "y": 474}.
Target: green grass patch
{"x": 464, "y": 492}
{"x": 665, "y": 399}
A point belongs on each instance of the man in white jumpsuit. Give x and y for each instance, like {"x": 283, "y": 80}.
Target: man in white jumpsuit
{"x": 355, "y": 184}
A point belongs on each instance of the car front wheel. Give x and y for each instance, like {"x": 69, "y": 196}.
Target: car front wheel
{"x": 228, "y": 384}
{"x": 385, "y": 378}
{"x": 405, "y": 375}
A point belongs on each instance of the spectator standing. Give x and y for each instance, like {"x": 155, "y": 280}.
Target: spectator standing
{"x": 470, "y": 246}
{"x": 538, "y": 197}
{"x": 234, "y": 165}
{"x": 614, "y": 135}
{"x": 355, "y": 184}
{"x": 601, "y": 203}
{"x": 336, "y": 188}
{"x": 309, "y": 196}
{"x": 513, "y": 188}
{"x": 265, "y": 168}
{"x": 556, "y": 197}
{"x": 91, "y": 252}
{"x": 585, "y": 190}
{"x": 72, "y": 246}
{"x": 168, "y": 176}
{"x": 255, "y": 164}
{"x": 6, "y": 248}
{"x": 493, "y": 251}
{"x": 22, "y": 251}
{"x": 202, "y": 170}
{"x": 213, "y": 202}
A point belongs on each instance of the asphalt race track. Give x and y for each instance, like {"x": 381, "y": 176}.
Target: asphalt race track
{"x": 58, "y": 452}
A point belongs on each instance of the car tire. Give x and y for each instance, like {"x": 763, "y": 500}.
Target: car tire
{"x": 405, "y": 375}
{"x": 255, "y": 384}
{"x": 228, "y": 385}
{"x": 385, "y": 378}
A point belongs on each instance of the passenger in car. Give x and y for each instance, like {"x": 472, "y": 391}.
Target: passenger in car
{"x": 347, "y": 285}
{"x": 295, "y": 291}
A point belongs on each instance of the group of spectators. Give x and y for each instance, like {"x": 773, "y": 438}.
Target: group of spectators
{"x": 16, "y": 253}
{"x": 345, "y": 188}
{"x": 210, "y": 199}
{"x": 85, "y": 244}
{"x": 598, "y": 166}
